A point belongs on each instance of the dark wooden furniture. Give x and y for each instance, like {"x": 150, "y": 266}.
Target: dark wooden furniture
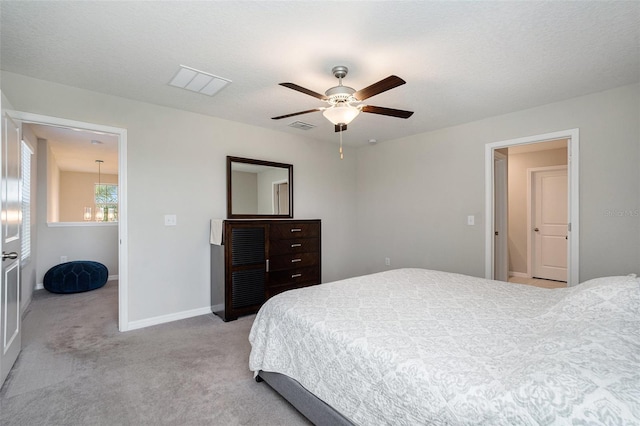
{"x": 259, "y": 259}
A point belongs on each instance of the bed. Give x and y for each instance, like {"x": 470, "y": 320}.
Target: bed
{"x": 415, "y": 346}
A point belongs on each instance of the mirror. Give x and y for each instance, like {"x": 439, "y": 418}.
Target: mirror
{"x": 259, "y": 189}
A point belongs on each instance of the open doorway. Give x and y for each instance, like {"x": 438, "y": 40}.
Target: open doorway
{"x": 98, "y": 132}
{"x": 538, "y": 212}
{"x": 530, "y": 245}
{"x": 82, "y": 175}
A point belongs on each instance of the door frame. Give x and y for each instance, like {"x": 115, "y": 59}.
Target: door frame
{"x": 501, "y": 216}
{"x": 530, "y": 214}
{"x": 573, "y": 136}
{"x": 121, "y": 133}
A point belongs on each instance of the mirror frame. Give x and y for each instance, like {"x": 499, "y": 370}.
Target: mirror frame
{"x": 288, "y": 167}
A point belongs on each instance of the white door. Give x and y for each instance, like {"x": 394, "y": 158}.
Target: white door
{"x": 501, "y": 257}
{"x": 10, "y": 326}
{"x": 550, "y": 224}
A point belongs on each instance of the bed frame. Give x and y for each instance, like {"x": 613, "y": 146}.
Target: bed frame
{"x": 312, "y": 407}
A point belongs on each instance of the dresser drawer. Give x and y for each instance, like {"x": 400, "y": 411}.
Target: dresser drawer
{"x": 286, "y": 231}
{"x": 297, "y": 245}
{"x": 294, "y": 277}
{"x": 292, "y": 261}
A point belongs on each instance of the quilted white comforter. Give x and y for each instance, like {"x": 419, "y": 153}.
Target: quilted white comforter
{"x": 414, "y": 346}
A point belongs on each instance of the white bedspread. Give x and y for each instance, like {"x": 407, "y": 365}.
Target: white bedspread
{"x": 414, "y": 346}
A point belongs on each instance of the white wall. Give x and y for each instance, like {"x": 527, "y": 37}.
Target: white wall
{"x": 77, "y": 191}
{"x": 29, "y": 270}
{"x": 265, "y": 188}
{"x": 244, "y": 197}
{"x": 176, "y": 164}
{"x": 52, "y": 183}
{"x": 414, "y": 194}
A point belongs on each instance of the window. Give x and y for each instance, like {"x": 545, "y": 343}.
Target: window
{"x": 25, "y": 188}
{"x": 106, "y": 200}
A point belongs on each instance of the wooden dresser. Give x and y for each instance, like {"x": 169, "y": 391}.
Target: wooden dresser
{"x": 259, "y": 259}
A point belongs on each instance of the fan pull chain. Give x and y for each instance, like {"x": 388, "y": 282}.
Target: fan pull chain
{"x": 341, "y": 156}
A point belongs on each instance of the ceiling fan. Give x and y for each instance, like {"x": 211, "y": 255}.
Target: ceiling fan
{"x": 345, "y": 103}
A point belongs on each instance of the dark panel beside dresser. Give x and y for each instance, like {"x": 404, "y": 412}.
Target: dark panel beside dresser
{"x": 259, "y": 259}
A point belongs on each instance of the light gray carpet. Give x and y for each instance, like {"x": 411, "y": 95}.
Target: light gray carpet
{"x": 76, "y": 368}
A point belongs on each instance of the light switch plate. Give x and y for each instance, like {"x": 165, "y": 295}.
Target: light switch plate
{"x": 471, "y": 220}
{"x": 170, "y": 220}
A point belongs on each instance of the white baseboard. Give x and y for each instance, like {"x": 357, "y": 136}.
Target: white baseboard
{"x": 134, "y": 325}
{"x": 40, "y": 286}
{"x": 518, "y": 274}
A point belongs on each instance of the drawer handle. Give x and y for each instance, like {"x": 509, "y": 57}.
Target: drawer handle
{"x": 296, "y": 260}
{"x": 296, "y": 245}
{"x": 296, "y": 229}
{"x": 296, "y": 275}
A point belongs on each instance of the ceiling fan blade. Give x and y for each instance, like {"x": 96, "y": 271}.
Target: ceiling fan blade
{"x": 387, "y": 111}
{"x": 379, "y": 87}
{"x": 296, "y": 113}
{"x": 303, "y": 90}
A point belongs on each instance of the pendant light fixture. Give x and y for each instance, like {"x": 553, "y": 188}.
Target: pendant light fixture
{"x": 99, "y": 209}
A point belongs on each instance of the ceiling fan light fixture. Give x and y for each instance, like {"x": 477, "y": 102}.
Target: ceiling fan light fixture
{"x": 345, "y": 103}
{"x": 341, "y": 113}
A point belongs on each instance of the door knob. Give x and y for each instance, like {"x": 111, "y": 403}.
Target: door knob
{"x": 536, "y": 229}
{"x": 12, "y": 255}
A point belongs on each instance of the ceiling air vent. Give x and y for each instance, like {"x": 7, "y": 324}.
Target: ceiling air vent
{"x": 198, "y": 81}
{"x": 301, "y": 125}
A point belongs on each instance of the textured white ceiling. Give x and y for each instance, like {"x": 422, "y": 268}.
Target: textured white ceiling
{"x": 462, "y": 61}
{"x": 75, "y": 152}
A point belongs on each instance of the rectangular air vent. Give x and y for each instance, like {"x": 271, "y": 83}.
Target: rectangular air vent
{"x": 198, "y": 81}
{"x": 301, "y": 125}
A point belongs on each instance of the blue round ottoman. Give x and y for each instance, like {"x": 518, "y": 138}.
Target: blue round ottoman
{"x": 76, "y": 277}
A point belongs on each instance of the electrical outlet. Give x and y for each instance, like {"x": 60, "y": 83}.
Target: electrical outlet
{"x": 387, "y": 261}
{"x": 64, "y": 259}
{"x": 170, "y": 220}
